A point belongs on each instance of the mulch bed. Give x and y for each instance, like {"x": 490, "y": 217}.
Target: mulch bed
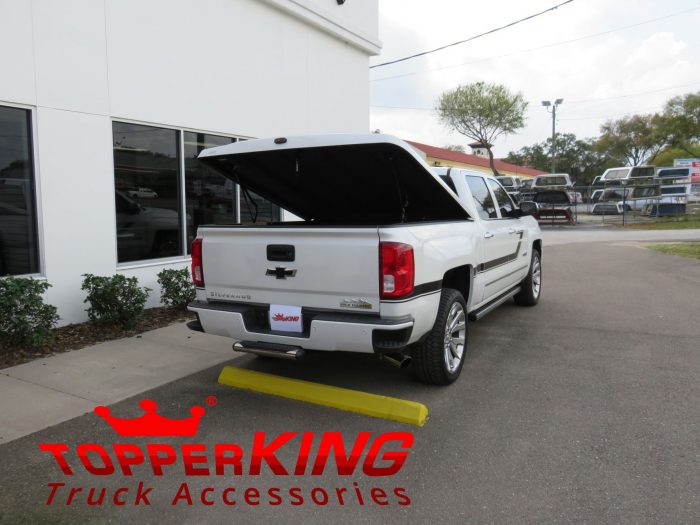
{"x": 75, "y": 336}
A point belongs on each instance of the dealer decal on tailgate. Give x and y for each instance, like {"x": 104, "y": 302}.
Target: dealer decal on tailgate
{"x": 285, "y": 318}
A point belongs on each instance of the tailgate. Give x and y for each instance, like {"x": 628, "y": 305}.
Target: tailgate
{"x": 332, "y": 268}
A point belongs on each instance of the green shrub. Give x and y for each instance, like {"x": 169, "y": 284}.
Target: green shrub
{"x": 24, "y": 317}
{"x": 114, "y": 300}
{"x": 176, "y": 287}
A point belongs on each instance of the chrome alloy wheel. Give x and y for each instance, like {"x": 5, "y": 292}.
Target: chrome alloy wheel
{"x": 536, "y": 276}
{"x": 455, "y": 334}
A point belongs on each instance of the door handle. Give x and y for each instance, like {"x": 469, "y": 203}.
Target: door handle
{"x": 488, "y": 235}
{"x": 513, "y": 230}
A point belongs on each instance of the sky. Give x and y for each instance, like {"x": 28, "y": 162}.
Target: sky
{"x": 605, "y": 58}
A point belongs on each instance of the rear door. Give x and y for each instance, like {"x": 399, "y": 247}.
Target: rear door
{"x": 325, "y": 268}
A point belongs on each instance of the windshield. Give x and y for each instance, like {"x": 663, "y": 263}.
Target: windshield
{"x": 617, "y": 174}
{"x": 506, "y": 181}
{"x": 551, "y": 181}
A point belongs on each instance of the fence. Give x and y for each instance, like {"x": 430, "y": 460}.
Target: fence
{"x": 616, "y": 202}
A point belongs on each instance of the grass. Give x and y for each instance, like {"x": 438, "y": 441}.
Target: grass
{"x": 682, "y": 249}
{"x": 685, "y": 222}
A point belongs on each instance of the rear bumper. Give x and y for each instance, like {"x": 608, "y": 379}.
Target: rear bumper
{"x": 326, "y": 331}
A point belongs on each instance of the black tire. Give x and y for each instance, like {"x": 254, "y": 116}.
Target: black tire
{"x": 430, "y": 363}
{"x": 529, "y": 294}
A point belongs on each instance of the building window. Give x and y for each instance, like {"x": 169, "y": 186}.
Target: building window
{"x": 211, "y": 198}
{"x": 151, "y": 179}
{"x": 18, "y": 232}
{"x": 147, "y": 192}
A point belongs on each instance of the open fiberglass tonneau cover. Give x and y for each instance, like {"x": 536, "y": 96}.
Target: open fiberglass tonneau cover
{"x": 339, "y": 179}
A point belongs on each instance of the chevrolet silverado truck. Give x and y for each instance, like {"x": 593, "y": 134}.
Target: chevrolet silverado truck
{"x": 388, "y": 256}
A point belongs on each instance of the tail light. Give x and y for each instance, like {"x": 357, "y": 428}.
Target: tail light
{"x": 397, "y": 269}
{"x": 197, "y": 268}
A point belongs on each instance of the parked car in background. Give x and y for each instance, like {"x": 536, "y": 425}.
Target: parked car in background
{"x": 627, "y": 172}
{"x": 596, "y": 195}
{"x": 558, "y": 181}
{"x": 142, "y": 193}
{"x": 526, "y": 191}
{"x": 146, "y": 231}
{"x": 607, "y": 208}
{"x": 512, "y": 185}
{"x": 554, "y": 206}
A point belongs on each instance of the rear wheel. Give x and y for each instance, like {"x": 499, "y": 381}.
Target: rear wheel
{"x": 531, "y": 286}
{"x": 439, "y": 358}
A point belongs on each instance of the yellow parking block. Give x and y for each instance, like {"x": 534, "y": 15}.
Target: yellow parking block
{"x": 373, "y": 405}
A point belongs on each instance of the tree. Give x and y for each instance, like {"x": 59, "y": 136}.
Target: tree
{"x": 634, "y": 139}
{"x": 668, "y": 155}
{"x": 482, "y": 112}
{"x": 455, "y": 147}
{"x": 680, "y": 122}
{"x": 578, "y": 157}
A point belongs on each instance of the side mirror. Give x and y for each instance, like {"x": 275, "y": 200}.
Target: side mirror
{"x": 528, "y": 208}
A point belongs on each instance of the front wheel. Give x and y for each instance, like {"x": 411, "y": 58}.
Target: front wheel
{"x": 439, "y": 358}
{"x": 531, "y": 286}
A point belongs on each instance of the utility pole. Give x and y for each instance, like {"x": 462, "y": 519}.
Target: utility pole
{"x": 547, "y": 104}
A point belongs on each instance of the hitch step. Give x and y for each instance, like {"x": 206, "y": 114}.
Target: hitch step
{"x": 270, "y": 350}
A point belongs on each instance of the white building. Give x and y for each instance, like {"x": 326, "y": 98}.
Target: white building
{"x": 104, "y": 105}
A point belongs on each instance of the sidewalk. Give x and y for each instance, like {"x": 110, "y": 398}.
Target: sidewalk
{"x": 51, "y": 390}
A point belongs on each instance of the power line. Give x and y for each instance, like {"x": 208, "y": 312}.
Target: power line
{"x": 490, "y": 31}
{"x": 546, "y": 46}
{"x": 580, "y": 101}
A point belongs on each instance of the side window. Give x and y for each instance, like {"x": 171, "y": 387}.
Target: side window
{"x": 482, "y": 197}
{"x": 502, "y": 198}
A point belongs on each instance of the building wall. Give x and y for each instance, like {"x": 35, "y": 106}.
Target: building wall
{"x": 237, "y": 67}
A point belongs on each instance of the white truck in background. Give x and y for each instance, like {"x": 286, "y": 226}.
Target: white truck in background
{"x": 389, "y": 256}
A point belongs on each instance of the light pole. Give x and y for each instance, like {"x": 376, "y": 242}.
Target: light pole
{"x": 547, "y": 104}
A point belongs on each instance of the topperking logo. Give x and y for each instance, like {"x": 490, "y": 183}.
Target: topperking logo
{"x": 376, "y": 457}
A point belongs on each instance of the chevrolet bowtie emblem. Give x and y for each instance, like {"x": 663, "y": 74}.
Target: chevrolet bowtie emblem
{"x": 280, "y": 272}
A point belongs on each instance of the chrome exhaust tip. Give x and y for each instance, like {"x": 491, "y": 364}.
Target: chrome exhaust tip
{"x": 396, "y": 360}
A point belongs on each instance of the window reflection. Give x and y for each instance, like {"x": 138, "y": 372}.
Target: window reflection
{"x": 211, "y": 198}
{"x": 147, "y": 192}
{"x": 18, "y": 240}
{"x": 482, "y": 197}
{"x": 502, "y": 198}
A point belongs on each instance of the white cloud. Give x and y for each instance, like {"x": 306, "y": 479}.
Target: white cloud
{"x": 598, "y": 77}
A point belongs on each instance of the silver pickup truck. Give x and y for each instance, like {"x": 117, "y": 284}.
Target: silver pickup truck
{"x": 388, "y": 256}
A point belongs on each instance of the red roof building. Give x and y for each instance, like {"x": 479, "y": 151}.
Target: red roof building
{"x": 444, "y": 157}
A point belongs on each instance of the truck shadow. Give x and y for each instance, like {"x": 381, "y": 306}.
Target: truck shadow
{"x": 343, "y": 369}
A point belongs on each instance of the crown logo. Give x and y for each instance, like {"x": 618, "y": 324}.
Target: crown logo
{"x": 152, "y": 424}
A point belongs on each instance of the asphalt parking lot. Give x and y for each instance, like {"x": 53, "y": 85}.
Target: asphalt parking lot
{"x": 584, "y": 409}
